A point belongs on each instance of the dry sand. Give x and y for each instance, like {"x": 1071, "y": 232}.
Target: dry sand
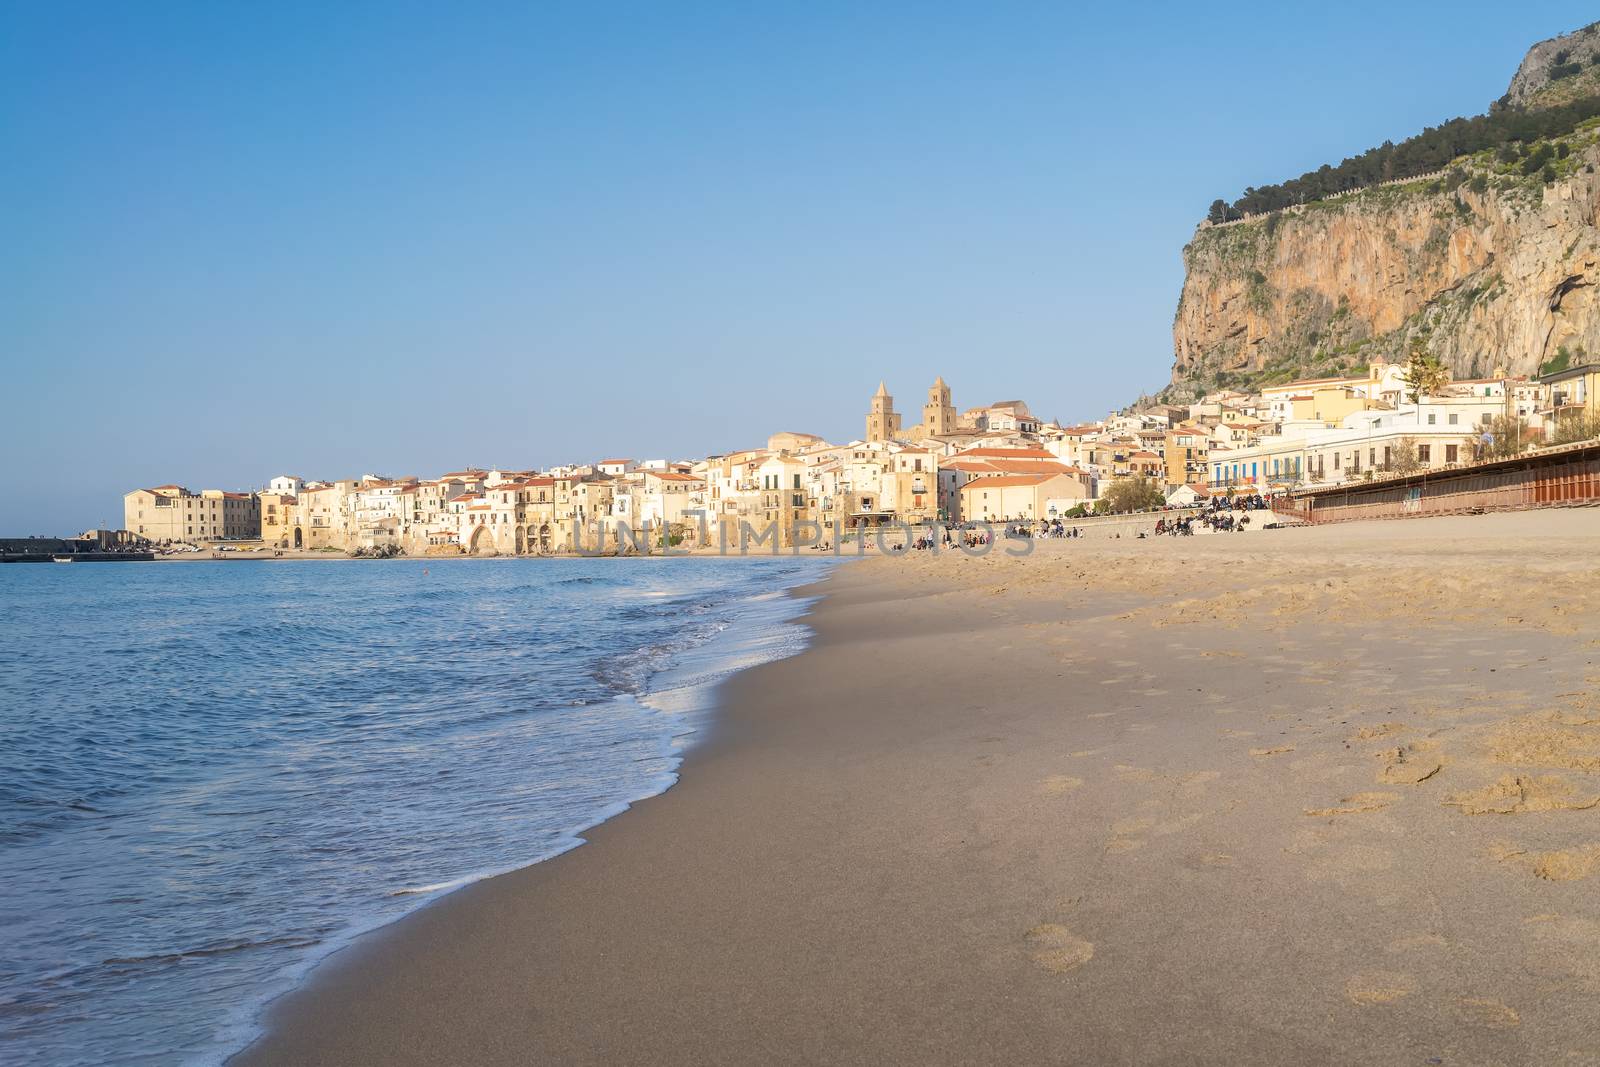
{"x": 1304, "y": 796}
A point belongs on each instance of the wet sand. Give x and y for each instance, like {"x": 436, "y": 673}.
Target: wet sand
{"x": 1322, "y": 795}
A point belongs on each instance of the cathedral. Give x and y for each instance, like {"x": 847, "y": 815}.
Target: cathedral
{"x": 938, "y": 415}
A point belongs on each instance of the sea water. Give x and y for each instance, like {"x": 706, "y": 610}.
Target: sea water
{"x": 214, "y": 774}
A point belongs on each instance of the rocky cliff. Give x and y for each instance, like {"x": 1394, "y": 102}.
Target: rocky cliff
{"x": 1554, "y": 70}
{"x": 1489, "y": 266}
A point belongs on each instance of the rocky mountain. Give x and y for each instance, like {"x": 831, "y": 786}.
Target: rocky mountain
{"x": 1490, "y": 262}
{"x": 1554, "y": 71}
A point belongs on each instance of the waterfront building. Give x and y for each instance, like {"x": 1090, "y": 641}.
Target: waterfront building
{"x": 277, "y": 518}
{"x": 1441, "y": 432}
{"x": 666, "y": 497}
{"x": 173, "y": 513}
{"x": 1021, "y": 497}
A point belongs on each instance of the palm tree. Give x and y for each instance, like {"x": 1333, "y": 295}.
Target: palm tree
{"x": 1424, "y": 375}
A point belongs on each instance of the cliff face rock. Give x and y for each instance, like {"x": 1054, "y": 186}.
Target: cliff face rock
{"x": 1549, "y": 63}
{"x": 1490, "y": 268}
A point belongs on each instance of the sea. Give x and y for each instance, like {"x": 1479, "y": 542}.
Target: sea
{"x": 212, "y": 775}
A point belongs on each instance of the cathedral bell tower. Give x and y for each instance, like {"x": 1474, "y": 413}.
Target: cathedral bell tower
{"x": 938, "y": 414}
{"x": 882, "y": 422}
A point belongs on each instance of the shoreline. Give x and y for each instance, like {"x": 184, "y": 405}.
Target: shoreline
{"x": 693, "y": 726}
{"x": 1179, "y": 798}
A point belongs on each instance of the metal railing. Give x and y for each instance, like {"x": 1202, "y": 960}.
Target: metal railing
{"x": 1554, "y": 478}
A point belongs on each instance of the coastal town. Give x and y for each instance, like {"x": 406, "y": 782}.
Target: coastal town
{"x": 996, "y": 463}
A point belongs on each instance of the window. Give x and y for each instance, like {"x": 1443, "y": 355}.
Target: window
{"x": 1372, "y": 457}
{"x": 1336, "y": 461}
{"x": 1451, "y": 451}
{"x": 1432, "y": 418}
{"x": 1424, "y": 453}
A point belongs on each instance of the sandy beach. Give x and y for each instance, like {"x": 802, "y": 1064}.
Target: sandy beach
{"x": 1322, "y": 795}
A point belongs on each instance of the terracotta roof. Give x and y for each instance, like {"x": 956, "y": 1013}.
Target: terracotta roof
{"x": 1007, "y": 453}
{"x": 1311, "y": 381}
{"x": 1009, "y": 480}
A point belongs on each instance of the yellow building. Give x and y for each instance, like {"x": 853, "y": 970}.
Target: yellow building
{"x": 317, "y": 521}
{"x": 277, "y": 519}
{"x": 1184, "y": 455}
{"x": 172, "y": 513}
{"x": 1327, "y": 404}
{"x": 1574, "y": 388}
{"x": 1021, "y": 497}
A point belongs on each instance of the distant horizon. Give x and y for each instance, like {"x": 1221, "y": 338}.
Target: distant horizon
{"x": 296, "y": 239}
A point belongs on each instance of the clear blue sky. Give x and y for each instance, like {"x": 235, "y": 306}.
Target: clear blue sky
{"x": 329, "y": 239}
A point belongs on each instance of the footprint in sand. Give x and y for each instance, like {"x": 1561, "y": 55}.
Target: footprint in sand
{"x": 1487, "y": 1013}
{"x": 1356, "y": 804}
{"x": 1407, "y": 765}
{"x": 1350, "y": 867}
{"x": 1516, "y": 795}
{"x": 1379, "y": 987}
{"x": 1562, "y": 865}
{"x": 1564, "y": 947}
{"x": 1378, "y": 732}
{"x": 1417, "y": 941}
{"x": 1127, "y": 834}
{"x": 1212, "y": 859}
{"x": 1059, "y": 785}
{"x": 1567, "y": 865}
{"x": 1057, "y": 949}
{"x": 1276, "y": 751}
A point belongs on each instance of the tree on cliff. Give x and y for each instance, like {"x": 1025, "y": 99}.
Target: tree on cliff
{"x": 1507, "y": 131}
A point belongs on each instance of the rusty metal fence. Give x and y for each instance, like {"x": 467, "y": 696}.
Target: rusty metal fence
{"x": 1559, "y": 477}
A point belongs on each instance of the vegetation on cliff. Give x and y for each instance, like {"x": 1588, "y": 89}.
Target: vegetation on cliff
{"x": 1474, "y": 243}
{"x": 1506, "y": 133}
